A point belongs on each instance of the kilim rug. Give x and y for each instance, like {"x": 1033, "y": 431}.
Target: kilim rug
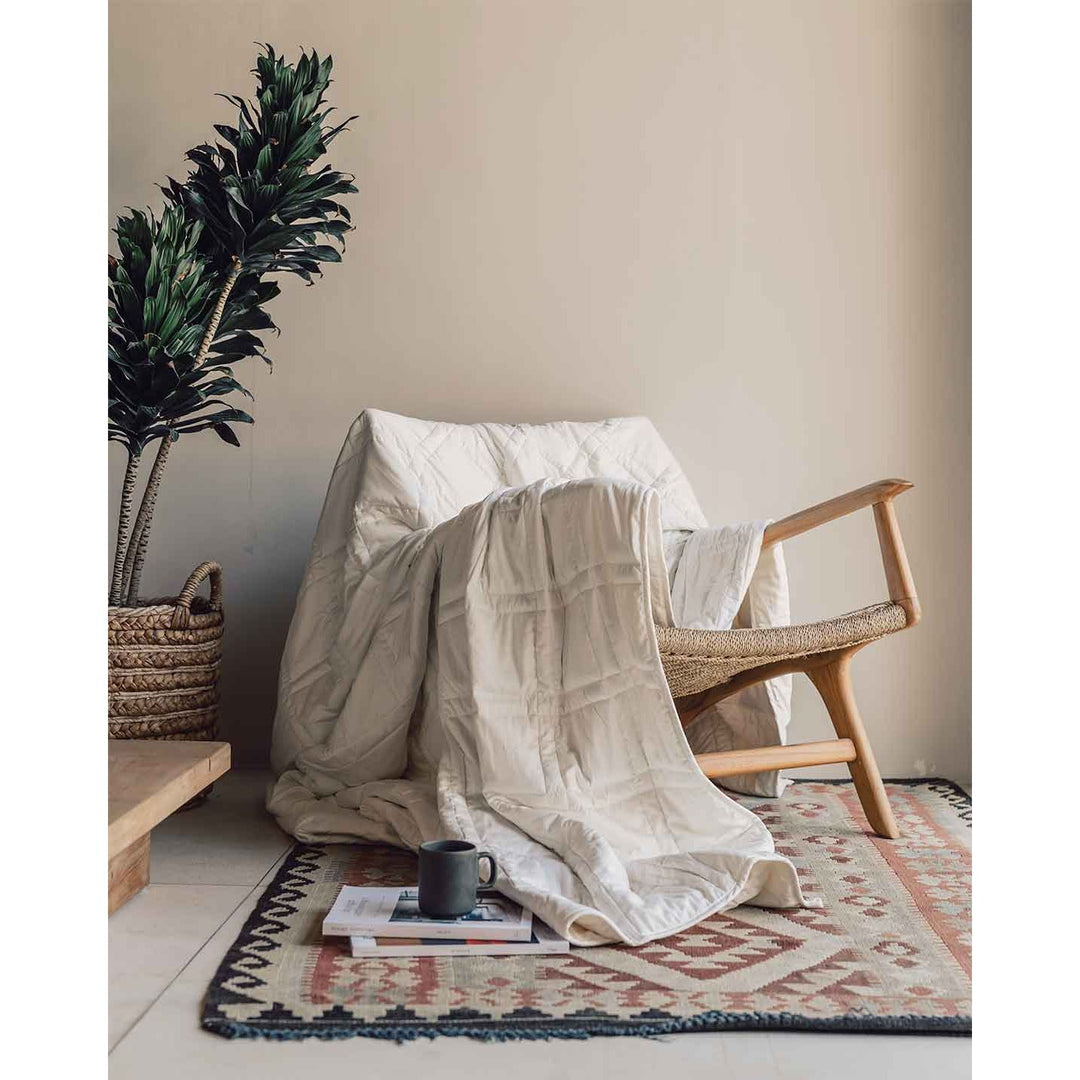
{"x": 889, "y": 952}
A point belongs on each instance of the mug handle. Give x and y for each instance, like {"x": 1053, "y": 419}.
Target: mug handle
{"x": 493, "y": 869}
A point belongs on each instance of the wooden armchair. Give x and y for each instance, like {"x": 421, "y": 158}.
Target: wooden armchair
{"x": 703, "y": 666}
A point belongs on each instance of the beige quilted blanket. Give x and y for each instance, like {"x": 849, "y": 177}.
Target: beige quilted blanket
{"x": 475, "y": 658}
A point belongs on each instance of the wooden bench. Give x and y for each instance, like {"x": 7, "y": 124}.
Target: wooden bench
{"x": 148, "y": 780}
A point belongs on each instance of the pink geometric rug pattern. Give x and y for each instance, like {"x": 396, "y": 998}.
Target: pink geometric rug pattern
{"x": 889, "y": 951}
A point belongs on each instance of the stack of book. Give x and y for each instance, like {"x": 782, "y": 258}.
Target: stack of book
{"x": 389, "y": 922}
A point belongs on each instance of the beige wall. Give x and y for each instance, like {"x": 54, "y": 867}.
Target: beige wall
{"x": 748, "y": 220}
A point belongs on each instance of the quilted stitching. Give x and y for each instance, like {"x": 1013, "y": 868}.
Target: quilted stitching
{"x": 450, "y": 466}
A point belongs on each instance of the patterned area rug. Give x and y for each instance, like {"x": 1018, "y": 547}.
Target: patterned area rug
{"x": 890, "y": 951}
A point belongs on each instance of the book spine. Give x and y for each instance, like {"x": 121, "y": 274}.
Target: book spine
{"x": 518, "y": 949}
{"x": 454, "y": 933}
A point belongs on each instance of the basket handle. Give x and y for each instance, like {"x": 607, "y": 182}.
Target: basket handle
{"x": 182, "y": 613}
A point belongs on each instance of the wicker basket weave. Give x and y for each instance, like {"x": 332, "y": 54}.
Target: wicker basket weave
{"x": 163, "y": 663}
{"x": 696, "y": 660}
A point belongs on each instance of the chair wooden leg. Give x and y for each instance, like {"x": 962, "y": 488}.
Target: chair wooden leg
{"x": 833, "y": 682}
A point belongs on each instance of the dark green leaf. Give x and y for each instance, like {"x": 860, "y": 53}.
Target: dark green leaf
{"x": 226, "y": 433}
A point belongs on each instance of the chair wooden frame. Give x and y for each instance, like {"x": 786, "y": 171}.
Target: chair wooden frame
{"x": 830, "y": 672}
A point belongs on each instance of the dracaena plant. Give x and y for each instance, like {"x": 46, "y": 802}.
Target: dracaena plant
{"x": 188, "y": 288}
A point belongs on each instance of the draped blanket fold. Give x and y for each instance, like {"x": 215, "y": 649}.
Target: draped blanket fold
{"x": 476, "y": 659}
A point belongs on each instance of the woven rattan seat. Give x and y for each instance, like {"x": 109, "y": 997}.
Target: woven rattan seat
{"x": 695, "y": 660}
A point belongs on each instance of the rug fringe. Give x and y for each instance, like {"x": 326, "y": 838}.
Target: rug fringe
{"x": 709, "y": 1021}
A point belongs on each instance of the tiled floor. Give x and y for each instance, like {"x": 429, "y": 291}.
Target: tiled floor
{"x": 208, "y": 868}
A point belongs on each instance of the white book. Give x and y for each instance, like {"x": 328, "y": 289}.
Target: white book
{"x": 395, "y": 913}
{"x": 544, "y": 942}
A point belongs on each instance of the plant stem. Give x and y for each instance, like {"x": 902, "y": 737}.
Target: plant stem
{"x": 140, "y": 533}
{"x": 123, "y": 526}
{"x": 140, "y": 536}
{"x": 219, "y": 310}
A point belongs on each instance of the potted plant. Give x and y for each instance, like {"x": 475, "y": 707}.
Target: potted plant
{"x": 187, "y": 293}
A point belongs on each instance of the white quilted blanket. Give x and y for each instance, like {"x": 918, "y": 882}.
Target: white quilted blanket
{"x": 473, "y": 656}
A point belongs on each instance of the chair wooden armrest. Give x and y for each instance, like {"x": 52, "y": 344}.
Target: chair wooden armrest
{"x": 880, "y": 496}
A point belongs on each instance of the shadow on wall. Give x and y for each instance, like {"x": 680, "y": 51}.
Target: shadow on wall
{"x": 255, "y": 630}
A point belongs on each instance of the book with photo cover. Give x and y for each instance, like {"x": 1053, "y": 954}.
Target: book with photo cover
{"x": 544, "y": 941}
{"x": 395, "y": 913}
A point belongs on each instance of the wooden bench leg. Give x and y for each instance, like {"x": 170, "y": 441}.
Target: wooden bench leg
{"x": 833, "y": 682}
{"x": 129, "y": 872}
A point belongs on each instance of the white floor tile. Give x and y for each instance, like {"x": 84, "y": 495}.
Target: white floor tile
{"x": 153, "y": 936}
{"x": 873, "y": 1057}
{"x": 229, "y": 840}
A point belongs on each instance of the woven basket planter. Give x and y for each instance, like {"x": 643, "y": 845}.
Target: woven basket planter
{"x": 163, "y": 663}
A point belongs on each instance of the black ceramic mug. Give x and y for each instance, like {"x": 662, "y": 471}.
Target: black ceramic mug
{"x": 450, "y": 876}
